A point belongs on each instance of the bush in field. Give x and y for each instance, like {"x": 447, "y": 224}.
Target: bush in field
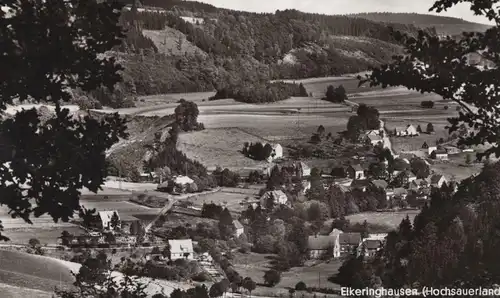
{"x": 427, "y": 104}
{"x": 272, "y": 277}
{"x": 300, "y": 286}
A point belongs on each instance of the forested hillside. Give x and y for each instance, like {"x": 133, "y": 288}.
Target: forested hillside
{"x": 443, "y": 25}
{"x": 196, "y": 47}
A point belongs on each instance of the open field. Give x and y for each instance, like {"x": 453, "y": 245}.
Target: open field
{"x": 219, "y": 147}
{"x": 9, "y": 291}
{"x": 44, "y": 235}
{"x": 312, "y": 276}
{"x": 391, "y": 219}
{"x": 255, "y": 265}
{"x": 230, "y": 199}
{"x": 32, "y": 272}
{"x": 400, "y": 144}
{"x": 126, "y": 209}
{"x": 455, "y": 168}
{"x": 277, "y": 127}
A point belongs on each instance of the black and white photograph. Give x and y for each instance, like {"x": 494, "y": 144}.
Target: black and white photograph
{"x": 249, "y": 148}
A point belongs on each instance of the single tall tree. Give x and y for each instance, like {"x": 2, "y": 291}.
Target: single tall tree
{"x": 50, "y": 48}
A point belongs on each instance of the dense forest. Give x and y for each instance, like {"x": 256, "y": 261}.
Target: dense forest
{"x": 453, "y": 242}
{"x": 232, "y": 47}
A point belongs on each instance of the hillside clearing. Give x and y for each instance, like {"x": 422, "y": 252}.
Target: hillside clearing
{"x": 219, "y": 147}
{"x": 173, "y": 42}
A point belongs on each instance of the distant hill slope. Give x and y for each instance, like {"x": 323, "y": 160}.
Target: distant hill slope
{"x": 444, "y": 25}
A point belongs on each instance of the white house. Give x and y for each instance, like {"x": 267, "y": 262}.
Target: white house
{"x": 441, "y": 154}
{"x": 278, "y": 197}
{"x": 181, "y": 249}
{"x": 305, "y": 170}
{"x": 105, "y": 217}
{"x": 239, "y": 228}
{"x": 276, "y": 153}
{"x": 431, "y": 149}
{"x": 409, "y": 131}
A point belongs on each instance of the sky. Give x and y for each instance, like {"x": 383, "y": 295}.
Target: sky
{"x": 348, "y": 6}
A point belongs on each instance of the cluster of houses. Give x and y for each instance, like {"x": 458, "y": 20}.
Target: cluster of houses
{"x": 357, "y": 180}
{"x": 339, "y": 244}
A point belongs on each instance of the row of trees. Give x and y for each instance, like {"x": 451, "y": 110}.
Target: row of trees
{"x": 335, "y": 94}
{"x": 257, "y": 151}
{"x": 258, "y": 92}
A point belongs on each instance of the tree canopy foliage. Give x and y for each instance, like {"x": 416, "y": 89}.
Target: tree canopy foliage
{"x": 50, "y": 48}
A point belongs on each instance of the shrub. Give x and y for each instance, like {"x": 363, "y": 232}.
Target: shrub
{"x": 445, "y": 107}
{"x": 300, "y": 286}
{"x": 272, "y": 277}
{"x": 427, "y": 104}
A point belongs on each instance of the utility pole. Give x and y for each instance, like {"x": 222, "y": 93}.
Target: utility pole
{"x": 319, "y": 280}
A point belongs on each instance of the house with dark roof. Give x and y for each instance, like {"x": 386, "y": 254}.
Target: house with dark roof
{"x": 322, "y": 246}
{"x": 360, "y": 184}
{"x": 278, "y": 197}
{"x": 374, "y": 139}
{"x": 349, "y": 242}
{"x": 356, "y": 172}
{"x": 437, "y": 180}
{"x": 407, "y": 177}
{"x": 418, "y": 184}
{"x": 369, "y": 247}
{"x": 440, "y": 154}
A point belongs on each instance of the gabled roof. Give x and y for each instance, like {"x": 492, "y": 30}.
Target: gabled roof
{"x": 380, "y": 183}
{"x": 436, "y": 178}
{"x": 336, "y": 232}
{"x": 106, "y": 216}
{"x": 440, "y": 151}
{"x": 304, "y": 166}
{"x": 400, "y": 191}
{"x": 274, "y": 146}
{"x": 182, "y": 180}
{"x": 374, "y": 138}
{"x": 420, "y": 182}
{"x": 350, "y": 238}
{"x": 357, "y": 168}
{"x": 343, "y": 188}
{"x": 237, "y": 224}
{"x": 320, "y": 242}
{"x": 359, "y": 183}
{"x": 372, "y": 244}
{"x": 181, "y": 246}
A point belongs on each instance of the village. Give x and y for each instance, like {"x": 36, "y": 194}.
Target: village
{"x": 282, "y": 209}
